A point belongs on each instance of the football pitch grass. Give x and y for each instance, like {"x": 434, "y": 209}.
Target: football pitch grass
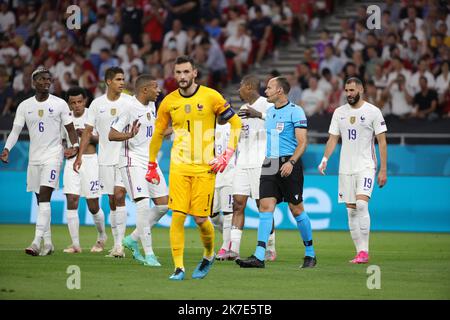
{"x": 411, "y": 265}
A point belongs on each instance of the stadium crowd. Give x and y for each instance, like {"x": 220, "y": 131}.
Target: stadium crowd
{"x": 405, "y": 64}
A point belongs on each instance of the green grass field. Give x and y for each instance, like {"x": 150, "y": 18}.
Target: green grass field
{"x": 413, "y": 266}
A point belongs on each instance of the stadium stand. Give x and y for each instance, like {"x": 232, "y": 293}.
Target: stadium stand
{"x": 327, "y": 40}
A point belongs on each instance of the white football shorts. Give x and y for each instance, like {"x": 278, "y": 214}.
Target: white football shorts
{"x": 43, "y": 175}
{"x": 137, "y": 186}
{"x": 246, "y": 182}
{"x": 223, "y": 199}
{"x": 85, "y": 183}
{"x": 360, "y": 183}
{"x": 109, "y": 177}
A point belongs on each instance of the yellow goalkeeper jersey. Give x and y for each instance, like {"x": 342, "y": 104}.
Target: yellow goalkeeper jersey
{"x": 193, "y": 121}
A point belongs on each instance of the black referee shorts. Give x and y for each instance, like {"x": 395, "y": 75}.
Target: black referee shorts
{"x": 284, "y": 189}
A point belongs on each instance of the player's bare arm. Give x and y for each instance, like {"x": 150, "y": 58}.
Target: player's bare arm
{"x": 382, "y": 145}
{"x": 250, "y": 112}
{"x": 115, "y": 135}
{"x": 85, "y": 137}
{"x": 73, "y": 137}
{"x": 331, "y": 145}
{"x": 10, "y": 142}
{"x": 302, "y": 141}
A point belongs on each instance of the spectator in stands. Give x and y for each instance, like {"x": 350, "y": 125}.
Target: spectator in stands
{"x": 131, "y": 18}
{"x": 413, "y": 51}
{"x": 234, "y": 19}
{"x": 122, "y": 49}
{"x": 187, "y": 11}
{"x": 413, "y": 30}
{"x": 330, "y": 61}
{"x": 86, "y": 79}
{"x": 374, "y": 60}
{"x": 100, "y": 36}
{"x": 7, "y": 18}
{"x": 213, "y": 28}
{"x": 443, "y": 81}
{"x": 412, "y": 16}
{"x": 215, "y": 62}
{"x": 153, "y": 22}
{"x": 393, "y": 7}
{"x": 337, "y": 97}
{"x": 261, "y": 4}
{"x": 210, "y": 12}
{"x": 261, "y": 29}
{"x": 396, "y": 68}
{"x": 380, "y": 78}
{"x": 304, "y": 73}
{"x": 422, "y": 71}
{"x": 176, "y": 38}
{"x": 281, "y": 23}
{"x": 321, "y": 45}
{"x": 26, "y": 92}
{"x": 324, "y": 83}
{"x": 295, "y": 93}
{"x": 392, "y": 40}
{"x": 238, "y": 48}
{"x": 107, "y": 61}
{"x": 309, "y": 59}
{"x": 18, "y": 79}
{"x": 313, "y": 99}
{"x": 6, "y": 95}
{"x": 400, "y": 97}
{"x": 373, "y": 95}
{"x": 66, "y": 65}
{"x": 425, "y": 101}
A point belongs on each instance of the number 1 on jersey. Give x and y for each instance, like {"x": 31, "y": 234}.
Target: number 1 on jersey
{"x": 188, "y": 125}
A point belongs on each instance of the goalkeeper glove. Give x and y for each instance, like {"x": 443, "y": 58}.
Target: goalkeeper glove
{"x": 152, "y": 175}
{"x": 219, "y": 163}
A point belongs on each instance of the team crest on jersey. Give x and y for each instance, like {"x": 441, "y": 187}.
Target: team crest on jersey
{"x": 199, "y": 107}
{"x": 149, "y": 116}
{"x": 280, "y": 126}
{"x": 41, "y": 113}
{"x": 352, "y": 120}
{"x": 187, "y": 108}
{"x": 113, "y": 111}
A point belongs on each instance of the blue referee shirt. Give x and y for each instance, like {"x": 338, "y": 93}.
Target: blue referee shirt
{"x": 280, "y": 128}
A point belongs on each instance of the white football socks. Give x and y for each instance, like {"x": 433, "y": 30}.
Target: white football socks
{"x": 121, "y": 223}
{"x": 217, "y": 222}
{"x": 143, "y": 225}
{"x": 156, "y": 213}
{"x": 235, "y": 236}
{"x": 42, "y": 222}
{"x": 226, "y": 233}
{"x": 99, "y": 220}
{"x": 353, "y": 224}
{"x": 362, "y": 207}
{"x": 73, "y": 222}
{"x": 113, "y": 222}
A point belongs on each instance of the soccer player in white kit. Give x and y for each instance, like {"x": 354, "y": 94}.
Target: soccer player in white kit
{"x": 135, "y": 128}
{"x": 85, "y": 183}
{"x": 357, "y": 123}
{"x": 250, "y": 156}
{"x": 44, "y": 115}
{"x": 223, "y": 193}
{"x": 101, "y": 114}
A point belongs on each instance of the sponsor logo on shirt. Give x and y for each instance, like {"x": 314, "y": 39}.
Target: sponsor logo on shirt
{"x": 362, "y": 118}
{"x": 340, "y": 195}
{"x": 199, "y": 107}
{"x": 139, "y": 189}
{"x": 383, "y": 123}
{"x": 50, "y": 110}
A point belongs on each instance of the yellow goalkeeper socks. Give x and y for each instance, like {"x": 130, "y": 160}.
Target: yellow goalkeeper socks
{"x": 207, "y": 237}
{"x": 177, "y": 238}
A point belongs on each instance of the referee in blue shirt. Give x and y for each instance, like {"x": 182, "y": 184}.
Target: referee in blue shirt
{"x": 282, "y": 173}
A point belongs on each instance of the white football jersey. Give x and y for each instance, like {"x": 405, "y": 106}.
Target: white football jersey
{"x": 357, "y": 128}
{"x": 251, "y": 149}
{"x": 44, "y": 121}
{"x": 101, "y": 114}
{"x": 222, "y": 136}
{"x": 78, "y": 123}
{"x": 134, "y": 151}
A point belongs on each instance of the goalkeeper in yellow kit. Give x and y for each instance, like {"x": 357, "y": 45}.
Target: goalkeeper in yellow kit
{"x": 193, "y": 110}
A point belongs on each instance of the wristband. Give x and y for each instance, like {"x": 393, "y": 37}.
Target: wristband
{"x": 76, "y": 145}
{"x": 324, "y": 159}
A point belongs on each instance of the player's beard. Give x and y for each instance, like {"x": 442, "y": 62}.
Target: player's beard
{"x": 185, "y": 86}
{"x": 354, "y": 100}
